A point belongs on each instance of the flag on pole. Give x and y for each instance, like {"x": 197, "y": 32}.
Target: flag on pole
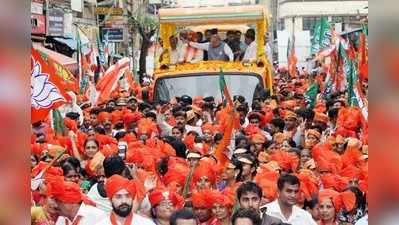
{"x": 47, "y": 90}
{"x": 322, "y": 36}
{"x": 83, "y": 65}
{"x": 363, "y": 57}
{"x": 58, "y": 123}
{"x": 100, "y": 48}
{"x": 291, "y": 57}
{"x": 67, "y": 79}
{"x": 109, "y": 81}
{"x": 224, "y": 89}
{"x": 311, "y": 95}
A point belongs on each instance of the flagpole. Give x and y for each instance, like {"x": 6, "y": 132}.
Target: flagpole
{"x": 78, "y": 59}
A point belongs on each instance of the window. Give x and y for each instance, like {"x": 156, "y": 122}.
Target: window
{"x": 337, "y": 19}
{"x": 309, "y": 22}
{"x": 281, "y": 24}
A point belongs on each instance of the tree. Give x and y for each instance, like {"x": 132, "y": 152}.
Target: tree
{"x": 146, "y": 25}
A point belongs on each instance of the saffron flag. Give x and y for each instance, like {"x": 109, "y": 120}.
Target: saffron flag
{"x": 47, "y": 90}
{"x": 67, "y": 78}
{"x": 363, "y": 61}
{"x": 291, "y": 57}
{"x": 223, "y": 88}
{"x": 109, "y": 81}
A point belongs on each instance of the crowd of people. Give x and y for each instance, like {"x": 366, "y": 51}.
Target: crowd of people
{"x": 196, "y": 160}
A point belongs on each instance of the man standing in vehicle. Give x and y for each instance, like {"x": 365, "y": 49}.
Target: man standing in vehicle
{"x": 217, "y": 49}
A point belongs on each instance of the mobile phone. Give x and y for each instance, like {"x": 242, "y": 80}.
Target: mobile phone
{"x": 122, "y": 149}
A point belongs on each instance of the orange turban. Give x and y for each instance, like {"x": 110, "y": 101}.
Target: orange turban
{"x": 289, "y": 114}
{"x": 258, "y": 139}
{"x": 286, "y": 160}
{"x": 131, "y": 118}
{"x": 116, "y": 183}
{"x": 70, "y": 124}
{"x": 320, "y": 107}
{"x": 116, "y": 116}
{"x": 176, "y": 173}
{"x": 159, "y": 195}
{"x": 67, "y": 192}
{"x": 321, "y": 117}
{"x": 349, "y": 118}
{"x": 146, "y": 126}
{"x": 109, "y": 149}
{"x": 217, "y": 197}
{"x": 200, "y": 199}
{"x": 37, "y": 148}
{"x": 326, "y": 159}
{"x": 103, "y": 116}
{"x": 208, "y": 127}
{"x": 334, "y": 181}
{"x": 204, "y": 169}
{"x": 50, "y": 172}
{"x": 289, "y": 104}
{"x": 342, "y": 200}
{"x": 313, "y": 132}
{"x": 251, "y": 129}
{"x": 309, "y": 185}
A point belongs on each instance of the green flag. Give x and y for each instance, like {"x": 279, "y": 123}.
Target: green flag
{"x": 350, "y": 72}
{"x": 223, "y": 88}
{"x": 310, "y": 95}
{"x": 321, "y": 36}
{"x": 58, "y": 123}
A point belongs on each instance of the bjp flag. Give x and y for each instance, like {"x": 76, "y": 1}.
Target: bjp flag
{"x": 47, "y": 90}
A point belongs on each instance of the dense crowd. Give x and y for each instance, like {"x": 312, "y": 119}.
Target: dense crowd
{"x": 196, "y": 160}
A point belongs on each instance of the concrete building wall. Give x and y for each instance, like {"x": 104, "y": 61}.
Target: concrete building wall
{"x": 289, "y": 9}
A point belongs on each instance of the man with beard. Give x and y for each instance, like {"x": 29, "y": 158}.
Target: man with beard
{"x": 121, "y": 192}
{"x": 284, "y": 207}
{"x": 71, "y": 205}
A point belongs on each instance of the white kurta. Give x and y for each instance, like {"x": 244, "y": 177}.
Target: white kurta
{"x": 250, "y": 52}
{"x": 101, "y": 202}
{"x": 137, "y": 220}
{"x": 298, "y": 216}
{"x": 90, "y": 215}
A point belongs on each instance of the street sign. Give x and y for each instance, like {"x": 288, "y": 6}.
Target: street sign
{"x": 109, "y": 10}
{"x": 112, "y": 34}
{"x": 55, "y": 22}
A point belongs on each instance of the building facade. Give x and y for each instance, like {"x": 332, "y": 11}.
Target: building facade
{"x": 301, "y": 15}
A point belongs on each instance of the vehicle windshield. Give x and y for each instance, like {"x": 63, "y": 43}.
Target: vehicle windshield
{"x": 247, "y": 85}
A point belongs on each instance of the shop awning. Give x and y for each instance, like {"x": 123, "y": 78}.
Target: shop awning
{"x": 64, "y": 60}
{"x": 72, "y": 43}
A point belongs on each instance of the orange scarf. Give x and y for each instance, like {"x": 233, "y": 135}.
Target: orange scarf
{"x": 128, "y": 220}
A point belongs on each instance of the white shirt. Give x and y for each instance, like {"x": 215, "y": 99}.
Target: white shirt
{"x": 250, "y": 52}
{"x": 167, "y": 129}
{"x": 174, "y": 56}
{"x": 101, "y": 202}
{"x": 90, "y": 215}
{"x": 192, "y": 56}
{"x": 137, "y": 220}
{"x": 298, "y": 216}
{"x": 205, "y": 46}
{"x": 363, "y": 221}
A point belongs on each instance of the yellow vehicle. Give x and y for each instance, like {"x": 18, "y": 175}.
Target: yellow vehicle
{"x": 201, "y": 79}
